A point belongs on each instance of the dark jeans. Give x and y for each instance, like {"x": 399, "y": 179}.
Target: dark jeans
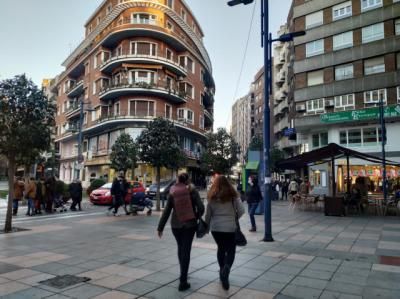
{"x": 184, "y": 238}
{"x": 252, "y": 212}
{"x": 284, "y": 194}
{"x": 226, "y": 248}
{"x": 15, "y": 206}
{"x": 76, "y": 201}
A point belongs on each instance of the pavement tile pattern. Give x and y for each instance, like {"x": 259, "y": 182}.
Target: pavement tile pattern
{"x": 313, "y": 256}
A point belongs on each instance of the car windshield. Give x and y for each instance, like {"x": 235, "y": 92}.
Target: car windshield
{"x": 106, "y": 186}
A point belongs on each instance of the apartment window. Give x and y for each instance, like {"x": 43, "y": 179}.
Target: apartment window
{"x": 398, "y": 94}
{"x": 319, "y": 140}
{"x": 344, "y": 72}
{"x": 143, "y": 48}
{"x": 169, "y": 54}
{"x": 118, "y": 51}
{"x": 397, "y": 26}
{"x": 344, "y": 102}
{"x": 370, "y": 136}
{"x": 201, "y": 122}
{"x": 187, "y": 63}
{"x": 315, "y": 78}
{"x": 354, "y": 137}
{"x": 372, "y": 97}
{"x": 342, "y": 10}
{"x": 370, "y": 4}
{"x": 316, "y": 106}
{"x": 189, "y": 116}
{"x": 343, "y": 40}
{"x": 170, "y": 26}
{"x": 374, "y": 65}
{"x": 181, "y": 114}
{"x": 94, "y": 87}
{"x": 116, "y": 109}
{"x": 360, "y": 137}
{"x": 183, "y": 14}
{"x": 142, "y": 108}
{"x": 168, "y": 111}
{"x": 372, "y": 33}
{"x": 143, "y": 18}
{"x": 139, "y": 76}
{"x": 314, "y": 19}
{"x": 315, "y": 48}
{"x": 170, "y": 3}
{"x": 186, "y": 89}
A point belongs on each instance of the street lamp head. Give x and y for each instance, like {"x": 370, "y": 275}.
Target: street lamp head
{"x": 288, "y": 37}
{"x": 237, "y": 2}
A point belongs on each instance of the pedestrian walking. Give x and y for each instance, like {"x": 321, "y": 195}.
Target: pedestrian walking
{"x": 75, "y": 190}
{"x": 119, "y": 189}
{"x": 293, "y": 188}
{"x": 186, "y": 206}
{"x": 285, "y": 189}
{"x": 253, "y": 197}
{"x": 223, "y": 203}
{"x": 50, "y": 193}
{"x": 19, "y": 186}
{"x": 30, "y": 194}
{"x": 39, "y": 197}
{"x": 276, "y": 190}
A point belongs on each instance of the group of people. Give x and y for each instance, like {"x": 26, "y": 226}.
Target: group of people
{"x": 41, "y": 194}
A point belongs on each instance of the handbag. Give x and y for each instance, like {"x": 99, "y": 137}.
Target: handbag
{"x": 240, "y": 239}
{"x": 201, "y": 229}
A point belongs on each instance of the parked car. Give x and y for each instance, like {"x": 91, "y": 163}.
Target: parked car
{"x": 102, "y": 195}
{"x": 165, "y": 186}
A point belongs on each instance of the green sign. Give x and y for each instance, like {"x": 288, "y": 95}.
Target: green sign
{"x": 359, "y": 115}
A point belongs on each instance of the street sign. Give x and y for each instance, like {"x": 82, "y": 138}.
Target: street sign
{"x": 359, "y": 115}
{"x": 289, "y": 132}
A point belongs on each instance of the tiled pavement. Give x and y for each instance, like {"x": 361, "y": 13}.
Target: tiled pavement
{"x": 313, "y": 257}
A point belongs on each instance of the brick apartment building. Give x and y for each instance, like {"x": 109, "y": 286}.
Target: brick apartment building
{"x": 346, "y": 63}
{"x": 139, "y": 60}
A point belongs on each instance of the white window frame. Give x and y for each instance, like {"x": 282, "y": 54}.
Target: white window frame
{"x": 134, "y": 76}
{"x": 137, "y": 20}
{"x": 398, "y": 94}
{"x": 94, "y": 88}
{"x": 344, "y": 72}
{"x": 378, "y": 33}
{"x": 193, "y": 70}
{"x": 342, "y": 102}
{"x": 339, "y": 40}
{"x": 397, "y": 26}
{"x": 343, "y": 10}
{"x": 374, "y": 68}
{"x": 370, "y": 4}
{"x": 315, "y": 47}
{"x": 170, "y": 111}
{"x": 320, "y": 77}
{"x": 178, "y": 111}
{"x": 369, "y": 96}
{"x": 153, "y": 47}
{"x": 172, "y": 54}
{"x": 193, "y": 89}
{"x": 319, "y": 19}
{"x": 172, "y": 3}
{"x": 315, "y": 106}
{"x": 190, "y": 120}
{"x": 117, "y": 108}
{"x": 201, "y": 122}
{"x": 148, "y": 107}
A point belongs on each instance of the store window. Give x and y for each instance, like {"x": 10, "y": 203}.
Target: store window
{"x": 344, "y": 72}
{"x": 372, "y": 97}
{"x": 354, "y": 137}
{"x": 342, "y": 10}
{"x": 374, "y": 65}
{"x": 319, "y": 140}
{"x": 315, "y": 78}
{"x": 370, "y": 136}
{"x": 315, "y": 48}
{"x": 372, "y": 33}
{"x": 314, "y": 19}
{"x": 318, "y": 178}
{"x": 344, "y": 102}
{"x": 343, "y": 40}
{"x": 370, "y": 4}
{"x": 316, "y": 106}
{"x": 360, "y": 137}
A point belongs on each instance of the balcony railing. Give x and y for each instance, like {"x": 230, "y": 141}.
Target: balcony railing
{"x": 75, "y": 89}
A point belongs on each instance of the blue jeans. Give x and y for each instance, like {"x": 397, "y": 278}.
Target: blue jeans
{"x": 252, "y": 211}
{"x": 15, "y": 206}
{"x": 31, "y": 206}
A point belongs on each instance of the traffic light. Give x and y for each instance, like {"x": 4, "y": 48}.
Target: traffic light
{"x": 236, "y": 2}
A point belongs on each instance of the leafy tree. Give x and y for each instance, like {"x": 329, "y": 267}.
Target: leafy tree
{"x": 159, "y": 146}
{"x": 221, "y": 152}
{"x": 26, "y": 120}
{"x": 124, "y": 154}
{"x": 256, "y": 143}
{"x": 276, "y": 155}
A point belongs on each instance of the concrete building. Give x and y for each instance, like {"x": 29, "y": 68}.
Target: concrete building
{"x": 139, "y": 60}
{"x": 241, "y": 124}
{"x": 348, "y": 60}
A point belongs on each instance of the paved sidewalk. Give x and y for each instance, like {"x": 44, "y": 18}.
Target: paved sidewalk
{"x": 313, "y": 257}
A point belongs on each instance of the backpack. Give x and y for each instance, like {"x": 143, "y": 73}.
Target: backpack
{"x": 183, "y": 205}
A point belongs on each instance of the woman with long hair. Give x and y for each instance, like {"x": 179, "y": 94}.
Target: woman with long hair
{"x": 223, "y": 204}
{"x": 185, "y": 204}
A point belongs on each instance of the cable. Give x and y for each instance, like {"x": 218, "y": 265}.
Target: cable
{"x": 243, "y": 60}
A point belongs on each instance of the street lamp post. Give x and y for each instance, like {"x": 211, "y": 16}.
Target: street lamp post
{"x": 383, "y": 137}
{"x": 266, "y": 43}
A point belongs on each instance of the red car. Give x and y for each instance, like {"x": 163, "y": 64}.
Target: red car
{"x": 102, "y": 196}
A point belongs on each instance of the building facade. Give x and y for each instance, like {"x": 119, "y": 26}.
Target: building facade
{"x": 241, "y": 124}
{"x": 348, "y": 61}
{"x": 139, "y": 60}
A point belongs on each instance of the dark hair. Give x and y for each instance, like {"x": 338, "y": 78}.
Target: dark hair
{"x": 183, "y": 178}
{"x": 254, "y": 180}
{"x": 222, "y": 189}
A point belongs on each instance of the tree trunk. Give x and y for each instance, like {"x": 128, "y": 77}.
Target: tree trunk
{"x": 11, "y": 174}
{"x": 158, "y": 179}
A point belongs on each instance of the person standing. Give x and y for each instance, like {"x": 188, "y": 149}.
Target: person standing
{"x": 30, "y": 194}
{"x": 119, "y": 189}
{"x": 185, "y": 204}
{"x": 223, "y": 204}
{"x": 39, "y": 196}
{"x": 75, "y": 190}
{"x": 285, "y": 189}
{"x": 253, "y": 197}
{"x": 50, "y": 193}
{"x": 18, "y": 194}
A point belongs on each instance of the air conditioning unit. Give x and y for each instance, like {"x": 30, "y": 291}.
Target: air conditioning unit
{"x": 329, "y": 103}
{"x": 301, "y": 108}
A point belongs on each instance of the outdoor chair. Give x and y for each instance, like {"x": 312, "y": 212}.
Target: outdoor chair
{"x": 391, "y": 204}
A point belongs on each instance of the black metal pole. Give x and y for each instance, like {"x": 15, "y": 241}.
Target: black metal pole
{"x": 348, "y": 175}
{"x": 80, "y": 158}
{"x": 266, "y": 123}
{"x": 383, "y": 137}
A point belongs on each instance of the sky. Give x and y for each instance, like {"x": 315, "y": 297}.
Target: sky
{"x": 37, "y": 36}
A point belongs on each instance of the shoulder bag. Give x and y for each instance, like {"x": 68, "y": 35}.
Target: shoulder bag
{"x": 240, "y": 239}
{"x": 202, "y": 227}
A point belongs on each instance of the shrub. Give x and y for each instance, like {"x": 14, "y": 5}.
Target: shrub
{"x": 95, "y": 184}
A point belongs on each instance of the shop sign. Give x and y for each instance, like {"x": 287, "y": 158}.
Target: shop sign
{"x": 359, "y": 115}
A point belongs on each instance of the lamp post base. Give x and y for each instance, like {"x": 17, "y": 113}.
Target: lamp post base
{"x": 267, "y": 239}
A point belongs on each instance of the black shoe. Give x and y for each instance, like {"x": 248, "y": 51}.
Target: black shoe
{"x": 252, "y": 230}
{"x": 183, "y": 286}
{"x": 225, "y": 277}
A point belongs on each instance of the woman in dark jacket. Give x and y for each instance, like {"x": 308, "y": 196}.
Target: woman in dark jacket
{"x": 185, "y": 204}
{"x": 253, "y": 197}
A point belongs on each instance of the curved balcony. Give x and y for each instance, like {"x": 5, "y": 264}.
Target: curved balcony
{"x": 73, "y": 111}
{"x": 75, "y": 90}
{"x": 117, "y": 61}
{"x": 208, "y": 115}
{"x": 141, "y": 88}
